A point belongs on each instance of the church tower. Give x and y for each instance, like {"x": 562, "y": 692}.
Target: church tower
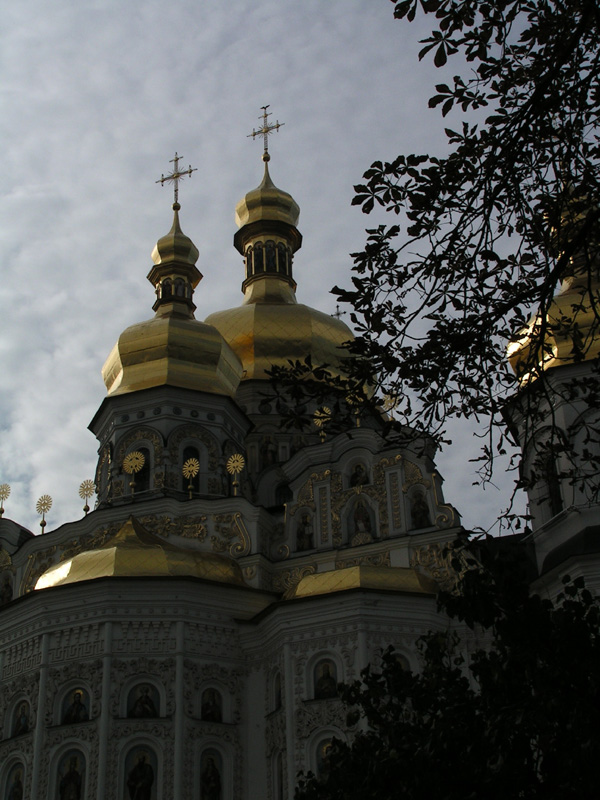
{"x": 187, "y": 635}
{"x": 554, "y": 416}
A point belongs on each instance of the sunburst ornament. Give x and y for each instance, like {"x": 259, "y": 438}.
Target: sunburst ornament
{"x": 132, "y": 464}
{"x": 4, "y": 494}
{"x": 235, "y": 464}
{"x": 321, "y": 417}
{"x": 43, "y": 505}
{"x": 86, "y": 490}
{"x": 190, "y": 469}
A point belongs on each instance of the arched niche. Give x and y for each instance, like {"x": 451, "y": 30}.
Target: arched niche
{"x": 324, "y": 673}
{"x": 215, "y": 773}
{"x": 13, "y": 779}
{"x": 70, "y": 773}
{"x": 140, "y": 775}
{"x": 73, "y": 704}
{"x": 419, "y": 508}
{"x": 134, "y": 690}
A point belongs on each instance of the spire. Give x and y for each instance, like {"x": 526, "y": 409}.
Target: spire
{"x": 174, "y": 274}
{"x": 267, "y": 219}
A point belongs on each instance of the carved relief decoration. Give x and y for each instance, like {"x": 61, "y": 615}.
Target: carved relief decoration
{"x": 140, "y": 434}
{"x": 194, "y": 432}
{"x": 22, "y": 657}
{"x": 436, "y": 559}
{"x": 285, "y": 580}
{"x": 163, "y": 669}
{"x": 231, "y": 680}
{"x": 88, "y": 673}
{"x": 374, "y": 560}
{"x": 231, "y": 535}
{"x": 412, "y": 476}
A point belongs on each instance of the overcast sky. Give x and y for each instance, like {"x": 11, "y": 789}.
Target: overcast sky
{"x": 97, "y": 95}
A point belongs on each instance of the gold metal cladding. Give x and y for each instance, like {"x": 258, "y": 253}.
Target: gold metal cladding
{"x": 172, "y": 351}
{"x": 271, "y": 328}
{"x": 133, "y": 462}
{"x": 265, "y": 131}
{"x": 134, "y": 551}
{"x": 397, "y": 579}
{"x": 176, "y": 176}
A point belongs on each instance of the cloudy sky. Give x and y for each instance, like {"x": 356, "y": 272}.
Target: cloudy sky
{"x": 97, "y": 95}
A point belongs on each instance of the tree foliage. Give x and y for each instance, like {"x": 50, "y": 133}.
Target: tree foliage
{"x": 482, "y": 236}
{"x": 517, "y": 720}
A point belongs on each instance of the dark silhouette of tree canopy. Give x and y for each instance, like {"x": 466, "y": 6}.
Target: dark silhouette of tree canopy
{"x": 482, "y": 237}
{"x": 519, "y": 720}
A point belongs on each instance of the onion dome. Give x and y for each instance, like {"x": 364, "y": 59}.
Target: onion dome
{"x": 173, "y": 348}
{"x": 569, "y": 332}
{"x": 135, "y": 552}
{"x": 271, "y": 328}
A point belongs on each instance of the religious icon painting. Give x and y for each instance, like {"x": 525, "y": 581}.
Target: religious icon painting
{"x": 140, "y": 774}
{"x": 21, "y": 721}
{"x": 211, "y": 775}
{"x": 143, "y": 702}
{"x": 70, "y": 778}
{"x": 323, "y": 754}
{"x": 75, "y": 707}
{"x": 14, "y": 783}
{"x": 325, "y": 678}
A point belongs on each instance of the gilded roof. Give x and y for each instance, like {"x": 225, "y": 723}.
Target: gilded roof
{"x": 135, "y": 552}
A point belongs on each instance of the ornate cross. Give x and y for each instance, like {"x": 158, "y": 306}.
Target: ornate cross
{"x": 265, "y": 131}
{"x": 338, "y": 313}
{"x": 176, "y": 176}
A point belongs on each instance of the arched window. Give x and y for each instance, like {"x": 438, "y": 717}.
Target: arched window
{"x": 283, "y": 494}
{"x": 193, "y": 481}
{"x": 211, "y": 706}
{"x": 271, "y": 264}
{"x": 249, "y": 264}
{"x": 282, "y": 258}
{"x": 258, "y": 258}
{"x": 142, "y": 478}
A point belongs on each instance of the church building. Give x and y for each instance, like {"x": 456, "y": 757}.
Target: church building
{"x": 184, "y": 639}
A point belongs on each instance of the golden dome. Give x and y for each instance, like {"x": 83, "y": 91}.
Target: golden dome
{"x": 135, "y": 552}
{"x": 267, "y": 202}
{"x": 173, "y": 348}
{"x": 571, "y": 330}
{"x": 271, "y": 328}
{"x": 394, "y": 579}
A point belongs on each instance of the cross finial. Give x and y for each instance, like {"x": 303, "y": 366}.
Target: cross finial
{"x": 265, "y": 131}
{"x": 338, "y": 312}
{"x": 175, "y": 177}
